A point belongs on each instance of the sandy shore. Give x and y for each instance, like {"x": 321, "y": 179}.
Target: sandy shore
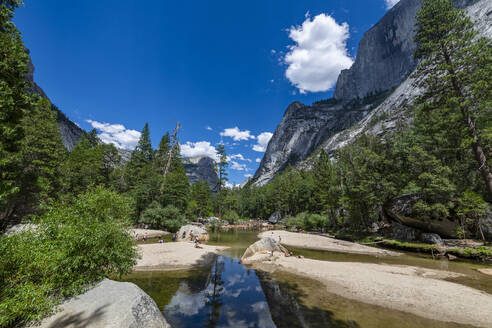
{"x": 174, "y": 256}
{"x": 323, "y": 243}
{"x": 150, "y": 233}
{"x": 409, "y": 289}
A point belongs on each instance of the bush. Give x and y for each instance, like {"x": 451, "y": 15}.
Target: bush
{"x": 168, "y": 218}
{"x": 71, "y": 248}
{"x": 231, "y": 216}
{"x": 308, "y": 221}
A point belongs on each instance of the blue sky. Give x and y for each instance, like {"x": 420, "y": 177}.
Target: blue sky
{"x": 225, "y": 70}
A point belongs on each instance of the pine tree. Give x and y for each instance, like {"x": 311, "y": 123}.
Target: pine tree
{"x": 326, "y": 188}
{"x": 14, "y": 101}
{"x": 143, "y": 153}
{"x": 222, "y": 173}
{"x": 161, "y": 153}
{"x": 456, "y": 74}
{"x": 42, "y": 155}
{"x": 176, "y": 185}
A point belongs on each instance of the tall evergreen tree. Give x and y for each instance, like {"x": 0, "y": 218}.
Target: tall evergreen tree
{"x": 222, "y": 173}
{"x": 456, "y": 74}
{"x": 176, "y": 185}
{"x": 161, "y": 153}
{"x": 143, "y": 153}
{"x": 42, "y": 155}
{"x": 14, "y": 101}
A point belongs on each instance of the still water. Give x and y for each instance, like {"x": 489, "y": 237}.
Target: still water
{"x": 225, "y": 293}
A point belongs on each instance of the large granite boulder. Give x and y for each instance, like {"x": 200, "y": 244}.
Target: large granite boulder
{"x": 431, "y": 238}
{"x": 186, "y": 232}
{"x": 263, "y": 250}
{"x": 110, "y": 304}
{"x": 485, "y": 223}
{"x": 275, "y": 218}
{"x": 399, "y": 209}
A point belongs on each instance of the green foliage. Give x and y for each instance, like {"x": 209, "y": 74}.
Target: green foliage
{"x": 14, "y": 102}
{"x": 42, "y": 154}
{"x": 308, "y": 221}
{"x": 200, "y": 204}
{"x": 88, "y": 164}
{"x": 455, "y": 73}
{"x": 231, "y": 216}
{"x": 71, "y": 248}
{"x": 169, "y": 218}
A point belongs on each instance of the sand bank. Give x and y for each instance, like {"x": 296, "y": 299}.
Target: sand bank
{"x": 174, "y": 256}
{"x": 324, "y": 243}
{"x": 409, "y": 289}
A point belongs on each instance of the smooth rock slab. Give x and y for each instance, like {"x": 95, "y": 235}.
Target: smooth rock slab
{"x": 184, "y": 233}
{"x": 110, "y": 304}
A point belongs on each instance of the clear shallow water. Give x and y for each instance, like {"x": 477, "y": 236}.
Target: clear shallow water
{"x": 225, "y": 293}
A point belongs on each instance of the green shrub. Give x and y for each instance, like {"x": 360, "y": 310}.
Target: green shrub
{"x": 231, "y": 216}
{"x": 71, "y": 248}
{"x": 308, "y": 221}
{"x": 168, "y": 218}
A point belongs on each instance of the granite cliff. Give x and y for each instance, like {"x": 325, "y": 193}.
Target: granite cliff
{"x": 201, "y": 168}
{"x": 69, "y": 131}
{"x": 373, "y": 96}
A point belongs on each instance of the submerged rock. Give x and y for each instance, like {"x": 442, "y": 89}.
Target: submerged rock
{"x": 108, "y": 304}
{"x": 185, "y": 232}
{"x": 263, "y": 250}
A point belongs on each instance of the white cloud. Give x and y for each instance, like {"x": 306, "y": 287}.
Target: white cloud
{"x": 239, "y": 157}
{"x": 237, "y": 134}
{"x": 238, "y": 166}
{"x": 258, "y": 160}
{"x": 116, "y": 134}
{"x": 248, "y": 175}
{"x": 391, "y": 3}
{"x": 319, "y": 53}
{"x": 208, "y": 127}
{"x": 200, "y": 148}
{"x": 273, "y": 51}
{"x": 262, "y": 142}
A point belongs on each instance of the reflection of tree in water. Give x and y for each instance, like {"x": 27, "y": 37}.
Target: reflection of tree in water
{"x": 214, "y": 297}
{"x": 287, "y": 311}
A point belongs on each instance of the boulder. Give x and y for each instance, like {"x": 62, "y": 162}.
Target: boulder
{"x": 400, "y": 232}
{"x": 485, "y": 223}
{"x": 275, "y": 218}
{"x": 431, "y": 238}
{"x": 262, "y": 250}
{"x": 399, "y": 209}
{"x": 109, "y": 304}
{"x": 20, "y": 228}
{"x": 184, "y": 233}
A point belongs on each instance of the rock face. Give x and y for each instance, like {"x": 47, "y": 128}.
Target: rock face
{"x": 201, "y": 168}
{"x": 109, "y": 304}
{"x": 262, "y": 250}
{"x": 431, "y": 238}
{"x": 274, "y": 218}
{"x": 379, "y": 76}
{"x": 184, "y": 233}
{"x": 69, "y": 131}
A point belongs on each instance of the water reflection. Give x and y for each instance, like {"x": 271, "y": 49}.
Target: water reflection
{"x": 231, "y": 297}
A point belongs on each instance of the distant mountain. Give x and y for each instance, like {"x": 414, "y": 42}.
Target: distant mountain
{"x": 201, "y": 168}
{"x": 370, "y": 97}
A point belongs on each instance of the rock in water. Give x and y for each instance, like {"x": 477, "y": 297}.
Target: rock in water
{"x": 262, "y": 250}
{"x": 110, "y": 304}
{"x": 275, "y": 217}
{"x": 184, "y": 233}
{"x": 431, "y": 238}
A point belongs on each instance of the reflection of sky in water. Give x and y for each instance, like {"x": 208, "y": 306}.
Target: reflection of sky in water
{"x": 238, "y": 300}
